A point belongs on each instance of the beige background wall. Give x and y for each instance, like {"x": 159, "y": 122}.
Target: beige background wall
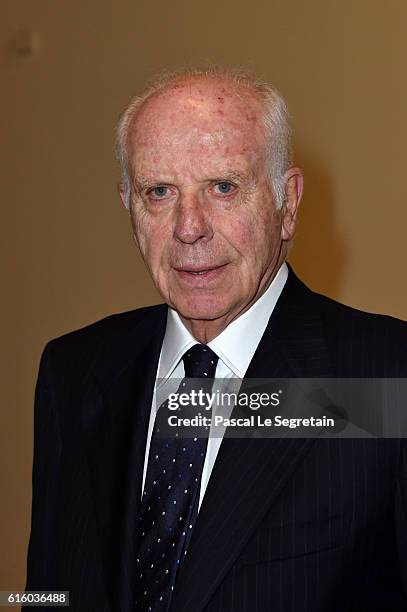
{"x": 68, "y": 254}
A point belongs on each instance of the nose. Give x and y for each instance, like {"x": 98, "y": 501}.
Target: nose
{"x": 192, "y": 221}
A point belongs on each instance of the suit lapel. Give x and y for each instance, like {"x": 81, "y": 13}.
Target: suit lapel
{"x": 115, "y": 420}
{"x": 249, "y": 474}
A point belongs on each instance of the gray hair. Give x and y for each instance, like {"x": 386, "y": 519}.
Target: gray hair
{"x": 275, "y": 118}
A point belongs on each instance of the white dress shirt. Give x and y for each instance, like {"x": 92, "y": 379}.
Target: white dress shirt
{"x": 235, "y": 347}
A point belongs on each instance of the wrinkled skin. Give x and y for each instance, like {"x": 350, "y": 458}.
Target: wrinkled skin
{"x": 201, "y": 201}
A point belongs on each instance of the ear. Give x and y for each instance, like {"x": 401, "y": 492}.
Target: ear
{"x": 123, "y": 195}
{"x": 294, "y": 183}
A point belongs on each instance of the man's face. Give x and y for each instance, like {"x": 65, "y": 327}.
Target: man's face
{"x": 202, "y": 208}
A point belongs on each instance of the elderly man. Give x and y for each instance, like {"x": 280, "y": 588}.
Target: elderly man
{"x": 128, "y": 519}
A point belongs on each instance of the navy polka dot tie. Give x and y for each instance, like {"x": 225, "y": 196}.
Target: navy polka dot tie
{"x": 169, "y": 505}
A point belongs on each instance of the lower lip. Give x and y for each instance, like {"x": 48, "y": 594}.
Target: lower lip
{"x": 203, "y": 278}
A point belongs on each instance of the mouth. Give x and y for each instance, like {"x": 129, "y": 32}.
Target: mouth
{"x": 200, "y": 273}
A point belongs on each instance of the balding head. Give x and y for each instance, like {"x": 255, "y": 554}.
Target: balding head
{"x": 262, "y": 102}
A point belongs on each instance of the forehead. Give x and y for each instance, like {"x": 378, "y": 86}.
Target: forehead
{"x": 198, "y": 124}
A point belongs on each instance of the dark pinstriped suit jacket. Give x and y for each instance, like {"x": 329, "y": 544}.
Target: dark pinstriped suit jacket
{"x": 286, "y": 525}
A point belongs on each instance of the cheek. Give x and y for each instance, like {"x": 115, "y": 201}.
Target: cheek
{"x": 152, "y": 237}
{"x": 139, "y": 220}
{"x": 255, "y": 235}
{"x": 246, "y": 234}
{"x": 266, "y": 233}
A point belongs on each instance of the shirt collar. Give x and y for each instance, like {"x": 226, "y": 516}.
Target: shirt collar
{"x": 236, "y": 344}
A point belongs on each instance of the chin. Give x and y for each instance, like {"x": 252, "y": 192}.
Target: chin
{"x": 202, "y": 309}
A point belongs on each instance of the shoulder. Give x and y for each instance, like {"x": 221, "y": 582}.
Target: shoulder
{"x": 335, "y": 313}
{"x": 377, "y": 340}
{"x": 359, "y": 322}
{"x": 109, "y": 336}
{"x": 359, "y": 343}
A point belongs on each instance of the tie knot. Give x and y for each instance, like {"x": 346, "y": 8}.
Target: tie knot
{"x": 200, "y": 362}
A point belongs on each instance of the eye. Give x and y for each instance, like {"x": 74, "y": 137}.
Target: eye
{"x": 159, "y": 192}
{"x": 224, "y": 188}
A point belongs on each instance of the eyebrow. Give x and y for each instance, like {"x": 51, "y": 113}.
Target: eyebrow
{"x": 231, "y": 175}
{"x": 141, "y": 183}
